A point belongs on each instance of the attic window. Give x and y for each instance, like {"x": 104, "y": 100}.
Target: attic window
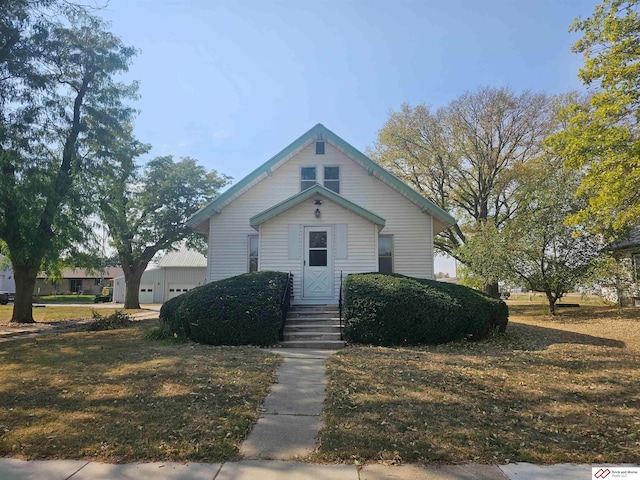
{"x": 307, "y": 178}
{"x": 320, "y": 147}
{"x": 332, "y": 178}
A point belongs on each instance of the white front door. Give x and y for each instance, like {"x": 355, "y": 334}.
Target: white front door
{"x": 317, "y": 277}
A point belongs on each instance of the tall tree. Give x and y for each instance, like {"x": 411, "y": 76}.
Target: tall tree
{"x": 465, "y": 157}
{"x": 146, "y": 210}
{"x": 602, "y": 138}
{"x": 536, "y": 248}
{"x": 57, "y": 95}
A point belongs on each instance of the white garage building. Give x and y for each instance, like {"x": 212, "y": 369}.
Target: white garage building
{"x": 176, "y": 273}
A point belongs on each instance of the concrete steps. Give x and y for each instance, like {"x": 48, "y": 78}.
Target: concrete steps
{"x": 312, "y": 326}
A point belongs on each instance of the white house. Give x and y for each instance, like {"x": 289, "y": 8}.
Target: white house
{"x": 177, "y": 272}
{"x": 320, "y": 209}
{"x": 7, "y": 282}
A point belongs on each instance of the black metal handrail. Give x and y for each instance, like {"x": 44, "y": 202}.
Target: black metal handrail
{"x": 340, "y": 304}
{"x": 285, "y": 302}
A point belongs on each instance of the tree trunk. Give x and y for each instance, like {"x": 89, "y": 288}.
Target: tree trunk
{"x": 25, "y": 278}
{"x": 491, "y": 289}
{"x": 552, "y": 303}
{"x": 132, "y": 293}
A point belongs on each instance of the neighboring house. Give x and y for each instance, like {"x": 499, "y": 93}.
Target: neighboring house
{"x": 626, "y": 251}
{"x": 76, "y": 280}
{"x": 176, "y": 273}
{"x": 320, "y": 209}
{"x": 7, "y": 282}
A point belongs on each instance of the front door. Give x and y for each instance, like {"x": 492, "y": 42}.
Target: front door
{"x": 317, "y": 278}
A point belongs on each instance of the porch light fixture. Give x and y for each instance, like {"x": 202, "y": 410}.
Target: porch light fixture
{"x": 317, "y": 214}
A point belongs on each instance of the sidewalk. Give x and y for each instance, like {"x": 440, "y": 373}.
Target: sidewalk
{"x": 11, "y": 469}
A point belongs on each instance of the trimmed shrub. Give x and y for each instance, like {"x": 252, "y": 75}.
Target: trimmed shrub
{"x": 242, "y": 310}
{"x": 493, "y": 313}
{"x": 398, "y": 310}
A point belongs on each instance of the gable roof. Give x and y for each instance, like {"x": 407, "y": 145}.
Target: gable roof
{"x": 316, "y": 190}
{"x": 183, "y": 258}
{"x": 316, "y": 132}
{"x": 85, "y": 273}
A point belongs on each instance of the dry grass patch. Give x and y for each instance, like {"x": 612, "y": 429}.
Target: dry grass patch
{"x": 52, "y": 313}
{"x": 550, "y": 390}
{"x": 115, "y": 396}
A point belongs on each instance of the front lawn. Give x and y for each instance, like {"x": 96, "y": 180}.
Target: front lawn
{"x": 65, "y": 299}
{"x": 550, "y": 390}
{"x": 115, "y": 396}
{"x": 57, "y": 314}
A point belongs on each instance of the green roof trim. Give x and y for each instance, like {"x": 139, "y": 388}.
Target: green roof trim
{"x": 306, "y": 195}
{"x": 320, "y": 131}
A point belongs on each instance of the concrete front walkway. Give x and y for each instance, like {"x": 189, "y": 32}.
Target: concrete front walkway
{"x": 290, "y": 421}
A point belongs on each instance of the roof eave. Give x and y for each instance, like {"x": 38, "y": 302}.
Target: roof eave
{"x": 266, "y": 169}
{"x": 291, "y": 202}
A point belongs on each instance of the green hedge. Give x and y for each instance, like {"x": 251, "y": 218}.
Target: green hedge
{"x": 397, "y": 310}
{"x": 242, "y": 310}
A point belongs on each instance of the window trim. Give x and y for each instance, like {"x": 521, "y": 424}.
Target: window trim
{"x": 385, "y": 256}
{"x": 315, "y": 180}
{"x": 324, "y": 180}
{"x": 249, "y": 256}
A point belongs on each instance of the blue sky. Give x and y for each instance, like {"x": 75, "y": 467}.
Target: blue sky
{"x": 232, "y": 82}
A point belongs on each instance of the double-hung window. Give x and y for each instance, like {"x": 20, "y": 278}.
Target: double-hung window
{"x": 252, "y": 252}
{"x": 332, "y": 178}
{"x": 636, "y": 267}
{"x": 385, "y": 253}
{"x": 307, "y": 178}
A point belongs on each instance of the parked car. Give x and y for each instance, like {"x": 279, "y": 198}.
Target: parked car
{"x": 6, "y": 297}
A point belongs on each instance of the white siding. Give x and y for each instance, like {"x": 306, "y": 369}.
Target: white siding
{"x": 361, "y": 248}
{"x": 152, "y": 277}
{"x": 160, "y": 279}
{"x": 185, "y": 275}
{"x": 412, "y": 229}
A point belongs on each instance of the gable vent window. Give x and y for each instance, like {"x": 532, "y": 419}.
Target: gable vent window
{"x": 319, "y": 148}
{"x": 307, "y": 178}
{"x": 332, "y": 178}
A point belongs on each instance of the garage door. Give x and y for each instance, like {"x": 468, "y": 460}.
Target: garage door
{"x": 176, "y": 289}
{"x": 146, "y": 293}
